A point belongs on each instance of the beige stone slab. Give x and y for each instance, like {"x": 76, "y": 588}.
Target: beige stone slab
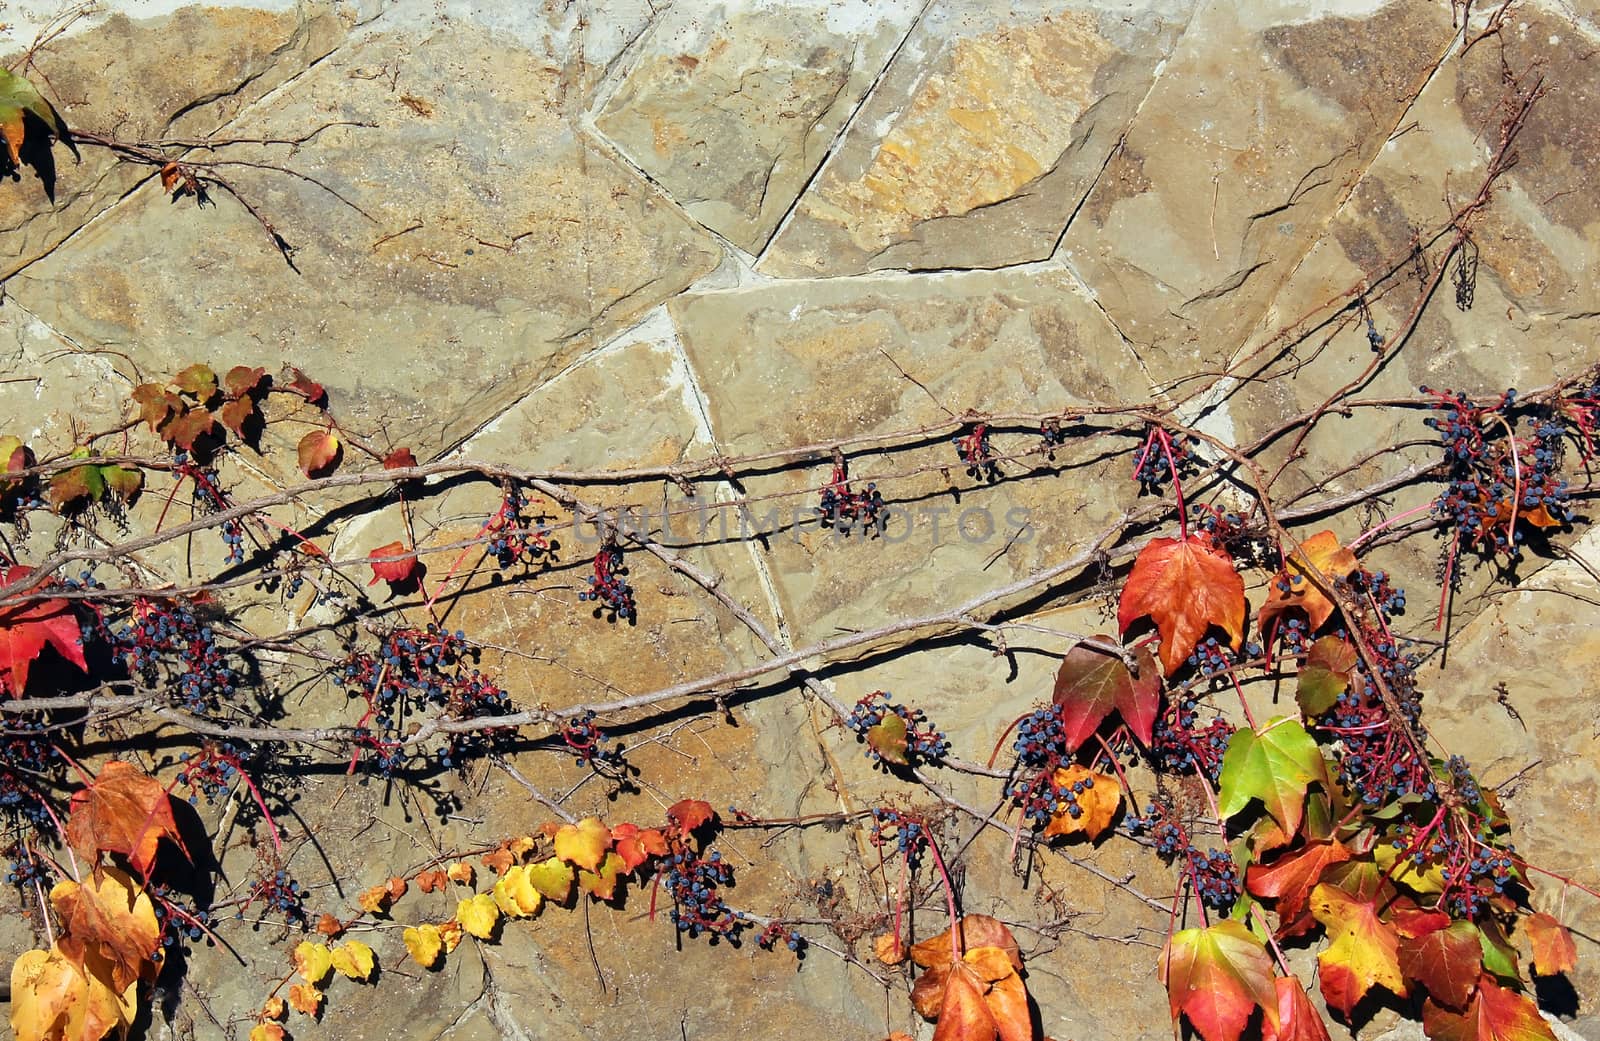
{"x": 981, "y": 139}
{"x": 732, "y": 106}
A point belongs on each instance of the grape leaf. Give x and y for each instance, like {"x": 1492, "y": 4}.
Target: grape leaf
{"x": 318, "y": 452}
{"x": 888, "y": 739}
{"x": 1092, "y": 682}
{"x": 156, "y": 404}
{"x": 1364, "y": 951}
{"x": 635, "y": 845}
{"x": 984, "y": 1000}
{"x": 242, "y": 380}
{"x": 400, "y": 458}
{"x": 18, "y": 100}
{"x": 306, "y": 387}
{"x": 515, "y": 895}
{"x": 55, "y": 997}
{"x": 1217, "y": 976}
{"x": 1446, "y": 960}
{"x": 197, "y": 381}
{"x": 235, "y": 414}
{"x": 1186, "y": 586}
{"x": 584, "y": 844}
{"x": 305, "y": 999}
{"x": 602, "y": 882}
{"x": 1298, "y": 1019}
{"x": 185, "y": 428}
{"x": 689, "y": 814}
{"x": 460, "y": 872}
{"x": 423, "y": 943}
{"x": 1322, "y": 552}
{"x": 1325, "y": 674}
{"x": 1273, "y": 766}
{"x": 27, "y": 627}
{"x": 478, "y": 915}
{"x": 112, "y": 918}
{"x": 313, "y": 961}
{"x": 1553, "y": 949}
{"x": 353, "y": 960}
{"x": 1097, "y": 805}
{"x": 126, "y": 811}
{"x": 1496, "y": 1014}
{"x": 431, "y": 881}
{"x": 1290, "y": 878}
{"x": 552, "y": 877}
{"x": 394, "y": 572}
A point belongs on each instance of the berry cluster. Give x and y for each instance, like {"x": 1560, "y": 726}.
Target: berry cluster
{"x": 1215, "y": 660}
{"x": 1043, "y": 799}
{"x": 777, "y": 932}
{"x": 1378, "y": 757}
{"x": 209, "y": 498}
{"x": 1211, "y": 873}
{"x": 587, "y": 742}
{"x": 1180, "y": 745}
{"x": 1041, "y": 741}
{"x": 1294, "y": 637}
{"x": 517, "y": 537}
{"x": 27, "y": 754}
{"x": 697, "y": 905}
{"x": 1388, "y": 598}
{"x": 179, "y": 924}
{"x": 26, "y": 867}
{"x": 166, "y": 639}
{"x": 905, "y": 833}
{"x": 978, "y": 455}
{"x": 281, "y": 894}
{"x": 1053, "y": 436}
{"x": 1160, "y": 456}
{"x": 608, "y": 589}
{"x": 212, "y": 773}
{"x": 842, "y": 509}
{"x": 923, "y": 742}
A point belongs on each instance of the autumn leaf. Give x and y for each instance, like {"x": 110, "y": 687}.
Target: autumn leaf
{"x": 312, "y": 961}
{"x": 553, "y": 878}
{"x": 1446, "y": 960}
{"x": 1298, "y": 1019}
{"x": 186, "y": 428}
{"x": 395, "y": 572}
{"x": 57, "y": 996}
{"x": 374, "y": 900}
{"x": 1217, "y": 976}
{"x": 329, "y": 926}
{"x": 1553, "y": 949}
{"x": 1186, "y": 586}
{"x": 1098, "y": 797}
{"x": 1499, "y": 956}
{"x": 1363, "y": 951}
{"x": 75, "y": 488}
{"x": 1273, "y": 766}
{"x": 498, "y": 860}
{"x": 432, "y": 881}
{"x": 306, "y": 387}
{"x": 353, "y": 960}
{"x": 423, "y": 943}
{"x": 126, "y": 811}
{"x": 14, "y": 456}
{"x": 584, "y": 843}
{"x": 1289, "y": 880}
{"x": 461, "y": 872}
{"x": 318, "y": 452}
{"x": 690, "y": 814}
{"x": 112, "y": 917}
{"x": 515, "y": 895}
{"x": 26, "y": 628}
{"x": 1496, "y": 1014}
{"x": 635, "y": 845}
{"x": 235, "y": 414}
{"x": 521, "y": 846}
{"x": 984, "y": 1000}
{"x": 20, "y": 100}
{"x": 305, "y": 999}
{"x": 450, "y": 935}
{"x": 274, "y": 1008}
{"x": 888, "y": 739}
{"x": 266, "y": 1032}
{"x": 1325, "y": 674}
{"x": 1091, "y": 683}
{"x": 890, "y": 949}
{"x": 977, "y": 930}
{"x": 156, "y": 403}
{"x": 478, "y": 915}
{"x": 602, "y": 882}
{"x": 1293, "y": 588}
{"x": 241, "y": 380}
{"x": 399, "y": 459}
{"x": 395, "y": 887}
{"x": 197, "y": 381}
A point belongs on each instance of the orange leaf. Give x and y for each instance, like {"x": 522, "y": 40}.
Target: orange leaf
{"x": 198, "y": 381}
{"x": 156, "y": 403}
{"x": 45, "y": 985}
{"x": 1298, "y": 1019}
{"x": 602, "y": 883}
{"x": 27, "y": 627}
{"x": 242, "y": 379}
{"x": 266, "y": 1032}
{"x": 461, "y": 872}
{"x": 1097, "y": 800}
{"x": 395, "y": 887}
{"x": 1186, "y": 586}
{"x": 584, "y": 843}
{"x": 306, "y": 387}
{"x": 1217, "y": 976}
{"x": 689, "y": 814}
{"x": 305, "y": 999}
{"x": 400, "y": 458}
{"x": 394, "y": 572}
{"x": 124, "y": 811}
{"x": 374, "y": 900}
{"x": 1290, "y": 879}
{"x": 329, "y": 926}
{"x": 431, "y": 881}
{"x": 235, "y": 414}
{"x": 977, "y": 930}
{"x": 188, "y": 427}
{"x": 1293, "y": 588}
{"x": 1496, "y": 1014}
{"x": 110, "y": 917}
{"x": 273, "y": 1008}
{"x": 498, "y": 860}
{"x": 984, "y": 1000}
{"x": 1363, "y": 952}
{"x": 890, "y": 949}
{"x": 636, "y": 845}
{"x": 1553, "y": 949}
{"x": 318, "y": 452}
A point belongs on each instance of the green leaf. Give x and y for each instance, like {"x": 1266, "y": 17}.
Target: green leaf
{"x": 1499, "y": 957}
{"x": 1325, "y": 674}
{"x": 18, "y": 97}
{"x": 888, "y": 739}
{"x": 1273, "y": 767}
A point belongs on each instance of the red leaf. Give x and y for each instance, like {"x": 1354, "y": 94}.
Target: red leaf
{"x": 1217, "y": 977}
{"x": 393, "y": 571}
{"x": 235, "y": 414}
{"x": 689, "y": 814}
{"x": 1553, "y": 949}
{"x": 156, "y": 403}
{"x": 1290, "y": 879}
{"x": 306, "y": 387}
{"x": 124, "y": 810}
{"x": 1187, "y": 586}
{"x": 400, "y": 458}
{"x": 1091, "y": 683}
{"x": 188, "y": 427}
{"x": 242, "y": 379}
{"x": 1447, "y": 961}
{"x": 635, "y": 845}
{"x": 27, "y": 627}
{"x": 1496, "y": 1014}
{"x": 1298, "y": 1019}
{"x": 318, "y": 452}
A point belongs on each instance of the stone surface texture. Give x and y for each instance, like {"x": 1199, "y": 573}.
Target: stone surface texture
{"x": 592, "y": 236}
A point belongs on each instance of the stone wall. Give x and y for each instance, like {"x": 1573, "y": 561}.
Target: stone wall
{"x": 590, "y": 235}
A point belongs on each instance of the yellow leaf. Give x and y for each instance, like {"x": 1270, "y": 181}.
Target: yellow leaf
{"x": 450, "y": 934}
{"x": 43, "y": 986}
{"x": 461, "y": 872}
{"x": 266, "y": 1032}
{"x": 515, "y": 895}
{"x": 1426, "y": 881}
{"x": 552, "y": 877}
{"x": 424, "y": 943}
{"x": 602, "y": 884}
{"x": 312, "y": 961}
{"x": 1097, "y": 804}
{"x": 374, "y": 900}
{"x": 305, "y": 999}
{"x": 353, "y": 960}
{"x": 584, "y": 843}
{"x": 478, "y": 915}
{"x": 273, "y": 1008}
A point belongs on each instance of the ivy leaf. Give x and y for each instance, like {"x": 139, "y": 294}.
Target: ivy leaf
{"x": 460, "y": 872}
{"x": 1496, "y": 1014}
{"x": 197, "y": 381}
{"x": 306, "y": 387}
{"x": 313, "y": 961}
{"x": 394, "y": 572}
{"x": 977, "y": 930}
{"x": 450, "y": 935}
{"x": 126, "y": 811}
{"x": 236, "y": 413}
{"x": 1292, "y": 588}
{"x": 111, "y": 918}
{"x": 602, "y": 883}
{"x": 514, "y": 894}
{"x": 478, "y": 915}
{"x": 305, "y": 999}
{"x": 20, "y": 99}
{"x": 553, "y": 878}
{"x": 635, "y": 845}
{"x": 1289, "y": 880}
{"x": 984, "y": 1000}
{"x": 27, "y": 627}
{"x": 1298, "y": 1019}
{"x": 1092, "y": 682}
{"x": 318, "y": 453}
{"x": 55, "y": 997}
{"x": 1273, "y": 766}
{"x": 353, "y": 960}
{"x": 1499, "y": 956}
{"x": 1447, "y": 961}
{"x": 689, "y": 814}
{"x": 399, "y": 459}
{"x": 423, "y": 943}
{"x": 374, "y": 900}
{"x": 1553, "y": 949}
{"x": 1097, "y": 804}
{"x": 75, "y": 488}
{"x": 432, "y": 881}
{"x": 1364, "y": 951}
{"x": 1186, "y": 586}
{"x": 14, "y": 456}
{"x": 266, "y": 1032}
{"x": 584, "y": 843}
{"x": 1325, "y": 674}
{"x": 888, "y": 739}
{"x": 122, "y": 481}
{"x": 186, "y": 428}
{"x": 1217, "y": 976}
{"x": 156, "y": 404}
{"x": 329, "y": 926}
{"x": 242, "y": 380}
